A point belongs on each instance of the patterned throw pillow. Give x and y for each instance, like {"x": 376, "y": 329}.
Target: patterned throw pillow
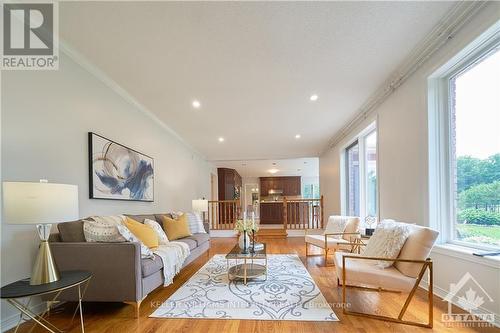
{"x": 103, "y": 229}
{"x": 130, "y": 237}
{"x": 195, "y": 223}
{"x": 162, "y": 237}
{"x": 387, "y": 241}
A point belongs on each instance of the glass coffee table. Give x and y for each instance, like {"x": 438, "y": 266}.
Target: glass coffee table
{"x": 242, "y": 266}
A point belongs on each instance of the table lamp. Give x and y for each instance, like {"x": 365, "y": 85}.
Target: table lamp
{"x": 200, "y": 206}
{"x": 42, "y": 204}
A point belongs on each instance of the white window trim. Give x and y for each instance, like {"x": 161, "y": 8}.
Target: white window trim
{"x": 360, "y": 137}
{"x": 441, "y": 190}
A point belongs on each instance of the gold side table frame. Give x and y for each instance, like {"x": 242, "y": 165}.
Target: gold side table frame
{"x": 39, "y": 319}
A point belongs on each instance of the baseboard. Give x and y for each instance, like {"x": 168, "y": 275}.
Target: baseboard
{"x": 11, "y": 321}
{"x": 441, "y": 293}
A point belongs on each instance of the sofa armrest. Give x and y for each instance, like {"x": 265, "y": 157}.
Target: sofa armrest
{"x": 116, "y": 268}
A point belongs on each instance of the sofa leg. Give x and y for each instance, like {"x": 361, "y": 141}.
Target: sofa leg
{"x": 136, "y": 305}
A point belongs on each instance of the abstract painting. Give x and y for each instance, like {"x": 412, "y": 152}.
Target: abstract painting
{"x": 118, "y": 172}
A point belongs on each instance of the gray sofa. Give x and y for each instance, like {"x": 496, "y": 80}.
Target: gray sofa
{"x": 119, "y": 272}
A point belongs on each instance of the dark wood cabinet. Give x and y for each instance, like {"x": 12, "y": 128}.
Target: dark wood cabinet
{"x": 271, "y": 213}
{"x": 229, "y": 182}
{"x": 291, "y": 186}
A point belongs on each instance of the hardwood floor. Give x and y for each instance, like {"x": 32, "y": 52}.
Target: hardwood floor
{"x": 117, "y": 317}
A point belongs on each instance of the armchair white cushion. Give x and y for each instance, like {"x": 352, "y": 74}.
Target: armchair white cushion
{"x": 400, "y": 276}
{"x": 338, "y": 225}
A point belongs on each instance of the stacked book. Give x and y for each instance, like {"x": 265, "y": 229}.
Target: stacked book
{"x": 258, "y": 246}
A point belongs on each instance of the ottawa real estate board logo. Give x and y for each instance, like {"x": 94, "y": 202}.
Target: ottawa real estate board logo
{"x": 30, "y": 36}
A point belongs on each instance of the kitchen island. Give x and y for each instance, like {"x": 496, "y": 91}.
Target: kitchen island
{"x": 272, "y": 212}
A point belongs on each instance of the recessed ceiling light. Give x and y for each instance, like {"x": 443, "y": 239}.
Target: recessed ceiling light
{"x": 297, "y": 136}
{"x": 273, "y": 171}
{"x": 313, "y": 98}
{"x": 196, "y": 104}
{"x": 221, "y": 139}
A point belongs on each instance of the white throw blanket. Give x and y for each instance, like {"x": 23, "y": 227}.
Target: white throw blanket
{"x": 173, "y": 256}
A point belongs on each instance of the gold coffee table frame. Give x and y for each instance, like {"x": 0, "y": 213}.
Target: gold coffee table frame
{"x": 248, "y": 269}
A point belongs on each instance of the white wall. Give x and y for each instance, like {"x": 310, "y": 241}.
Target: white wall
{"x": 403, "y": 160}
{"x": 45, "y": 119}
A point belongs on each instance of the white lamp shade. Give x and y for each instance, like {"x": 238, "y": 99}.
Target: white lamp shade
{"x": 39, "y": 203}
{"x": 200, "y": 205}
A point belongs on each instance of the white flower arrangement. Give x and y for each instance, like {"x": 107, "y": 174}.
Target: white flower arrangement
{"x": 245, "y": 225}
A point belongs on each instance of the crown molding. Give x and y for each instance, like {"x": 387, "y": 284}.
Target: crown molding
{"x": 445, "y": 30}
{"x": 81, "y": 60}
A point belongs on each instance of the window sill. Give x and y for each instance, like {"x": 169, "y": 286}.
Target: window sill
{"x": 465, "y": 253}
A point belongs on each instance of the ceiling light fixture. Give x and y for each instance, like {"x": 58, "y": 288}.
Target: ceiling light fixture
{"x": 221, "y": 139}
{"x": 273, "y": 171}
{"x": 196, "y": 104}
{"x": 313, "y": 98}
{"x": 297, "y": 136}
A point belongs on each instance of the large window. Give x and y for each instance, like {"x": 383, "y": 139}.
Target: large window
{"x": 360, "y": 175}
{"x": 352, "y": 179}
{"x": 475, "y": 107}
{"x": 464, "y": 146}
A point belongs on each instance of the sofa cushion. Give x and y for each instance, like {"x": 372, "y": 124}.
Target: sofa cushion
{"x": 151, "y": 265}
{"x": 190, "y": 242}
{"x": 71, "y": 231}
{"x": 141, "y": 217}
{"x": 199, "y": 238}
{"x": 159, "y": 219}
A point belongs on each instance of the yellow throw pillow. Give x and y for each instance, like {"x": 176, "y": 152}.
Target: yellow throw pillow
{"x": 145, "y": 233}
{"x": 176, "y": 229}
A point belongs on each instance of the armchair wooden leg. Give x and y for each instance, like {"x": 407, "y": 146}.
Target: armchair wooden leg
{"x": 136, "y": 306}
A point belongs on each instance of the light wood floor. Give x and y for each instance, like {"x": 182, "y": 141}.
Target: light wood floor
{"x": 117, "y": 317}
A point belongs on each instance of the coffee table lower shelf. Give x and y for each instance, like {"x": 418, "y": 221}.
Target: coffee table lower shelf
{"x": 247, "y": 271}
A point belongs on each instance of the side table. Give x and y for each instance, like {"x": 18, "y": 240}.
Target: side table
{"x": 22, "y": 289}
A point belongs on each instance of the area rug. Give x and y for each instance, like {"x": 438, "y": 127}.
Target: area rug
{"x": 288, "y": 293}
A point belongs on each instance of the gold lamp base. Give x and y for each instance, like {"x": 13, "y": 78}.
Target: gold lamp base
{"x": 44, "y": 269}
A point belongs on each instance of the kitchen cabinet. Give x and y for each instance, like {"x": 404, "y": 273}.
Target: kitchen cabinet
{"x": 271, "y": 212}
{"x": 229, "y": 183}
{"x": 291, "y": 185}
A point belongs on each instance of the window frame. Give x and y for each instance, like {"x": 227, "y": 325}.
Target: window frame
{"x": 359, "y": 139}
{"x": 442, "y": 162}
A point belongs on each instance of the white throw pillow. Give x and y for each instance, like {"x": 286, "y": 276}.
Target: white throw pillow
{"x": 130, "y": 237}
{"x": 387, "y": 241}
{"x": 162, "y": 236}
{"x": 336, "y": 224}
{"x": 103, "y": 229}
{"x": 195, "y": 223}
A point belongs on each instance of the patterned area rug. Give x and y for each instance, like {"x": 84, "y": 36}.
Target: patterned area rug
{"x": 288, "y": 293}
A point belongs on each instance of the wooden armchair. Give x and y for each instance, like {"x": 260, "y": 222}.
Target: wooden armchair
{"x": 341, "y": 233}
{"x": 358, "y": 271}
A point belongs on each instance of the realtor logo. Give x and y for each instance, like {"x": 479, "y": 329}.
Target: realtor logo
{"x": 469, "y": 295}
{"x": 29, "y": 36}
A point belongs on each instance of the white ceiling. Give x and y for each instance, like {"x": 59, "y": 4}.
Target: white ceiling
{"x": 305, "y": 167}
{"x": 252, "y": 65}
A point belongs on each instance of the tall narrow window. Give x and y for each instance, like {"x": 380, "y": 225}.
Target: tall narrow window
{"x": 475, "y": 148}
{"x": 352, "y": 179}
{"x": 371, "y": 173}
{"x": 360, "y": 175}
